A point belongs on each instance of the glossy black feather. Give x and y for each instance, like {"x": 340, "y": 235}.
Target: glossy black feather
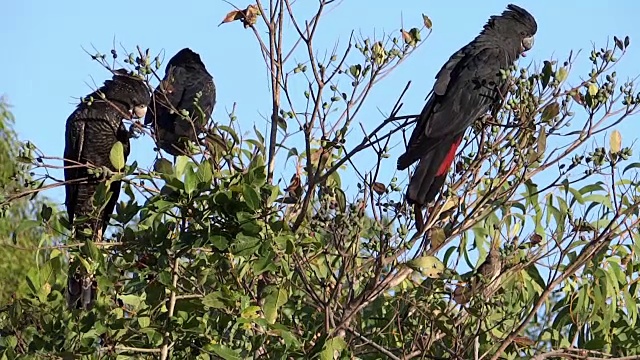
{"x": 185, "y": 77}
{"x": 467, "y": 87}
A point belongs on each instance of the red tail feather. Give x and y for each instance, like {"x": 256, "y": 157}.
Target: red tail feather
{"x": 446, "y": 163}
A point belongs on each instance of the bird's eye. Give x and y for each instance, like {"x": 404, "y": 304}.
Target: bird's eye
{"x": 522, "y": 33}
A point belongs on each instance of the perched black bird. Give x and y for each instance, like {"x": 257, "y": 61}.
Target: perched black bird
{"x": 466, "y": 87}
{"x": 91, "y": 132}
{"x": 186, "y": 83}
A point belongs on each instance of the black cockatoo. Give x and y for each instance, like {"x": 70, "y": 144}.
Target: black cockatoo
{"x": 91, "y": 132}
{"x": 466, "y": 87}
{"x": 186, "y": 82}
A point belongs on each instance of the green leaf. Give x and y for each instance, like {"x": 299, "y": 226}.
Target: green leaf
{"x": 129, "y": 299}
{"x": 533, "y": 273}
{"x": 251, "y": 197}
{"x": 46, "y": 212}
{"x": 289, "y": 338}
{"x": 592, "y": 187}
{"x": 181, "y": 164}
{"x": 117, "y": 156}
{"x": 245, "y": 245}
{"x": 250, "y": 312}
{"x": 631, "y": 306}
{"x": 355, "y": 70}
{"x": 331, "y": 346}
{"x": 164, "y": 278}
{"x": 599, "y": 199}
{"x": 144, "y": 321}
{"x": 91, "y": 250}
{"x": 229, "y": 131}
{"x": 292, "y": 152}
{"x": 214, "y": 300}
{"x": 562, "y": 74}
{"x": 429, "y": 266}
{"x": 155, "y": 337}
{"x": 225, "y": 353}
{"x": 23, "y": 227}
{"x": 282, "y": 123}
{"x": 264, "y": 264}
{"x": 163, "y": 166}
{"x": 550, "y": 111}
{"x": 577, "y": 195}
{"x": 635, "y": 165}
{"x": 273, "y": 302}
{"x": 219, "y": 241}
{"x": 205, "y": 172}
{"x": 11, "y": 341}
{"x": 595, "y": 344}
{"x": 341, "y": 199}
{"x": 190, "y": 180}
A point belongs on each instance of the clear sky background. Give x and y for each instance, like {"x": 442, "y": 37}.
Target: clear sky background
{"x": 43, "y": 68}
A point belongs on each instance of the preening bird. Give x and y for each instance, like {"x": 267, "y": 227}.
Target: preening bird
{"x": 466, "y": 87}
{"x": 186, "y": 83}
{"x": 91, "y": 132}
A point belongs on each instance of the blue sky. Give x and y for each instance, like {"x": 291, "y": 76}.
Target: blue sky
{"x": 43, "y": 66}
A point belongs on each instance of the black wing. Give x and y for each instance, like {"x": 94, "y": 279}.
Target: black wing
{"x": 468, "y": 93}
{"x": 74, "y": 139}
{"x": 181, "y": 86}
{"x": 90, "y": 135}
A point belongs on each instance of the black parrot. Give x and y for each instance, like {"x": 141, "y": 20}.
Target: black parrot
{"x": 466, "y": 87}
{"x": 91, "y": 132}
{"x": 186, "y": 82}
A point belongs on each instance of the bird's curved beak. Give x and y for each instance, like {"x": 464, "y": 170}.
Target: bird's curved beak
{"x": 139, "y": 111}
{"x": 527, "y": 43}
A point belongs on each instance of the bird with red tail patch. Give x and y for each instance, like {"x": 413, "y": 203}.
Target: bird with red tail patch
{"x": 467, "y": 87}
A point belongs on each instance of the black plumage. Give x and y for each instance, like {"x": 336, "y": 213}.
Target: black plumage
{"x": 91, "y": 132}
{"x": 185, "y": 84}
{"x": 467, "y": 87}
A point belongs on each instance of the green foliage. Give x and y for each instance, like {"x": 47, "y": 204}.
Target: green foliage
{"x": 217, "y": 259}
{"x": 19, "y": 234}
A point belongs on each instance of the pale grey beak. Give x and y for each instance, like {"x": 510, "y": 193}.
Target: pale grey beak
{"x": 527, "y": 43}
{"x": 139, "y": 111}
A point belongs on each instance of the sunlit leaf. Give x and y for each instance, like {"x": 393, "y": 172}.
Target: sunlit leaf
{"x": 429, "y": 266}
{"x": 117, "y": 156}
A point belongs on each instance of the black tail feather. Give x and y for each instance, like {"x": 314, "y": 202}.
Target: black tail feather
{"x": 429, "y": 176}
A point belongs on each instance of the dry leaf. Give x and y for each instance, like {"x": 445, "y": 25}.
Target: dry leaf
{"x": 524, "y": 341}
{"x": 295, "y": 185}
{"x": 427, "y": 22}
{"x": 379, "y": 188}
{"x": 248, "y": 16}
{"x": 615, "y": 141}
{"x": 462, "y": 294}
{"x": 536, "y": 239}
{"x": 406, "y": 36}
{"x": 232, "y": 16}
{"x": 437, "y": 237}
